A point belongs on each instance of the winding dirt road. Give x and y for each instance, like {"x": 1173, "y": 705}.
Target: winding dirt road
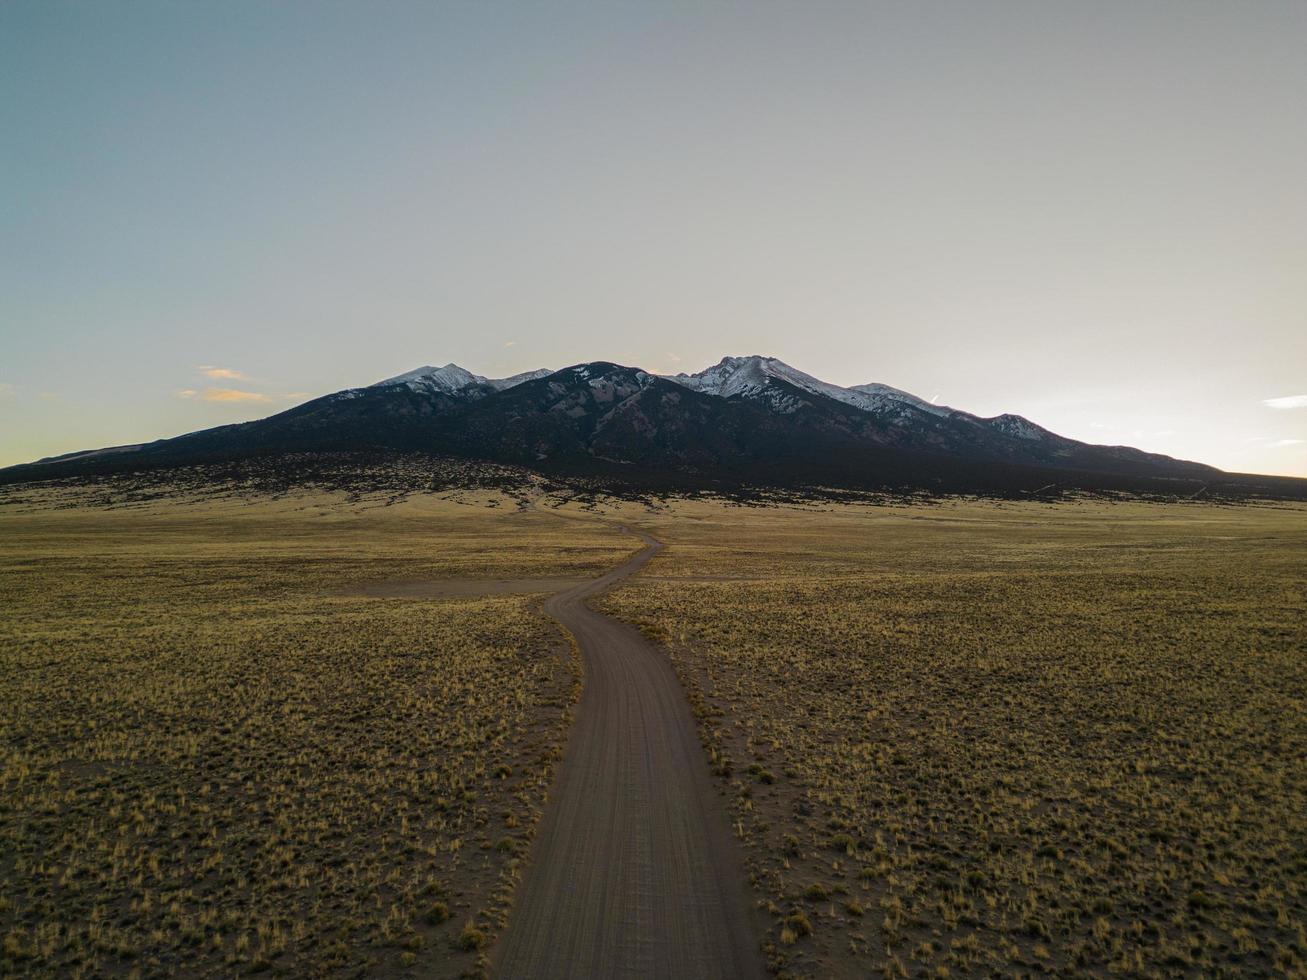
{"x": 634, "y": 872}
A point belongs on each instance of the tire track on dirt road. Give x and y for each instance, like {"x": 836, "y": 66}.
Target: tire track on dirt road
{"x": 633, "y": 872}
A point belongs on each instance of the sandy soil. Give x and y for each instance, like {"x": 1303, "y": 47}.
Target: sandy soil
{"x": 634, "y": 872}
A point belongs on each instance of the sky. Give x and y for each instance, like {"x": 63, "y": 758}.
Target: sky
{"x": 1090, "y": 214}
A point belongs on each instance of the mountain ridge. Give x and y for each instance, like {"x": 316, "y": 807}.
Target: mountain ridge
{"x": 751, "y": 419}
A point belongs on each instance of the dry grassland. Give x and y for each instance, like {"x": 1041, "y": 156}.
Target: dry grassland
{"x": 215, "y": 761}
{"x": 988, "y": 739}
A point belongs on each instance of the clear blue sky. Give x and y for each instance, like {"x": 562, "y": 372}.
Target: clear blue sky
{"x": 1093, "y": 214}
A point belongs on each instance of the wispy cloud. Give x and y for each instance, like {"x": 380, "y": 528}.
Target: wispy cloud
{"x": 510, "y": 343}
{"x": 232, "y": 395}
{"x": 7, "y": 391}
{"x": 294, "y": 396}
{"x": 1271, "y": 442}
{"x": 186, "y": 393}
{"x": 223, "y": 374}
{"x": 1288, "y": 401}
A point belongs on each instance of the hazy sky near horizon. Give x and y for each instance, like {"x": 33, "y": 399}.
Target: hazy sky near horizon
{"x": 1091, "y": 214}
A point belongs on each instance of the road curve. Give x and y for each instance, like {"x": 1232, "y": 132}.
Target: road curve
{"x": 634, "y": 872}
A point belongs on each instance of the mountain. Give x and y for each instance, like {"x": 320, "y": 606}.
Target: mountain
{"x": 744, "y": 421}
{"x": 908, "y": 422}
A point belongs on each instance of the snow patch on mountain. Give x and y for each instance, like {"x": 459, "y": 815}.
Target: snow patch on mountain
{"x": 1018, "y": 427}
{"x": 500, "y": 384}
{"x": 878, "y": 397}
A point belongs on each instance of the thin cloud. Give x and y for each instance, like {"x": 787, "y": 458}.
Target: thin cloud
{"x": 1271, "y": 442}
{"x": 295, "y": 395}
{"x": 222, "y": 374}
{"x": 232, "y": 395}
{"x": 186, "y": 393}
{"x": 1288, "y": 401}
{"x": 510, "y": 343}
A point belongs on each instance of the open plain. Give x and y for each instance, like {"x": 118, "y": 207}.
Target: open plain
{"x": 321, "y": 735}
{"x": 995, "y": 738}
{"x": 218, "y": 757}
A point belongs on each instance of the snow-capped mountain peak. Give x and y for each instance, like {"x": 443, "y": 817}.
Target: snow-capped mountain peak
{"x": 451, "y": 378}
{"x": 749, "y": 376}
{"x": 734, "y": 375}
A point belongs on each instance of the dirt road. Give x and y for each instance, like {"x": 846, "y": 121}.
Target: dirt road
{"x": 634, "y": 872}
